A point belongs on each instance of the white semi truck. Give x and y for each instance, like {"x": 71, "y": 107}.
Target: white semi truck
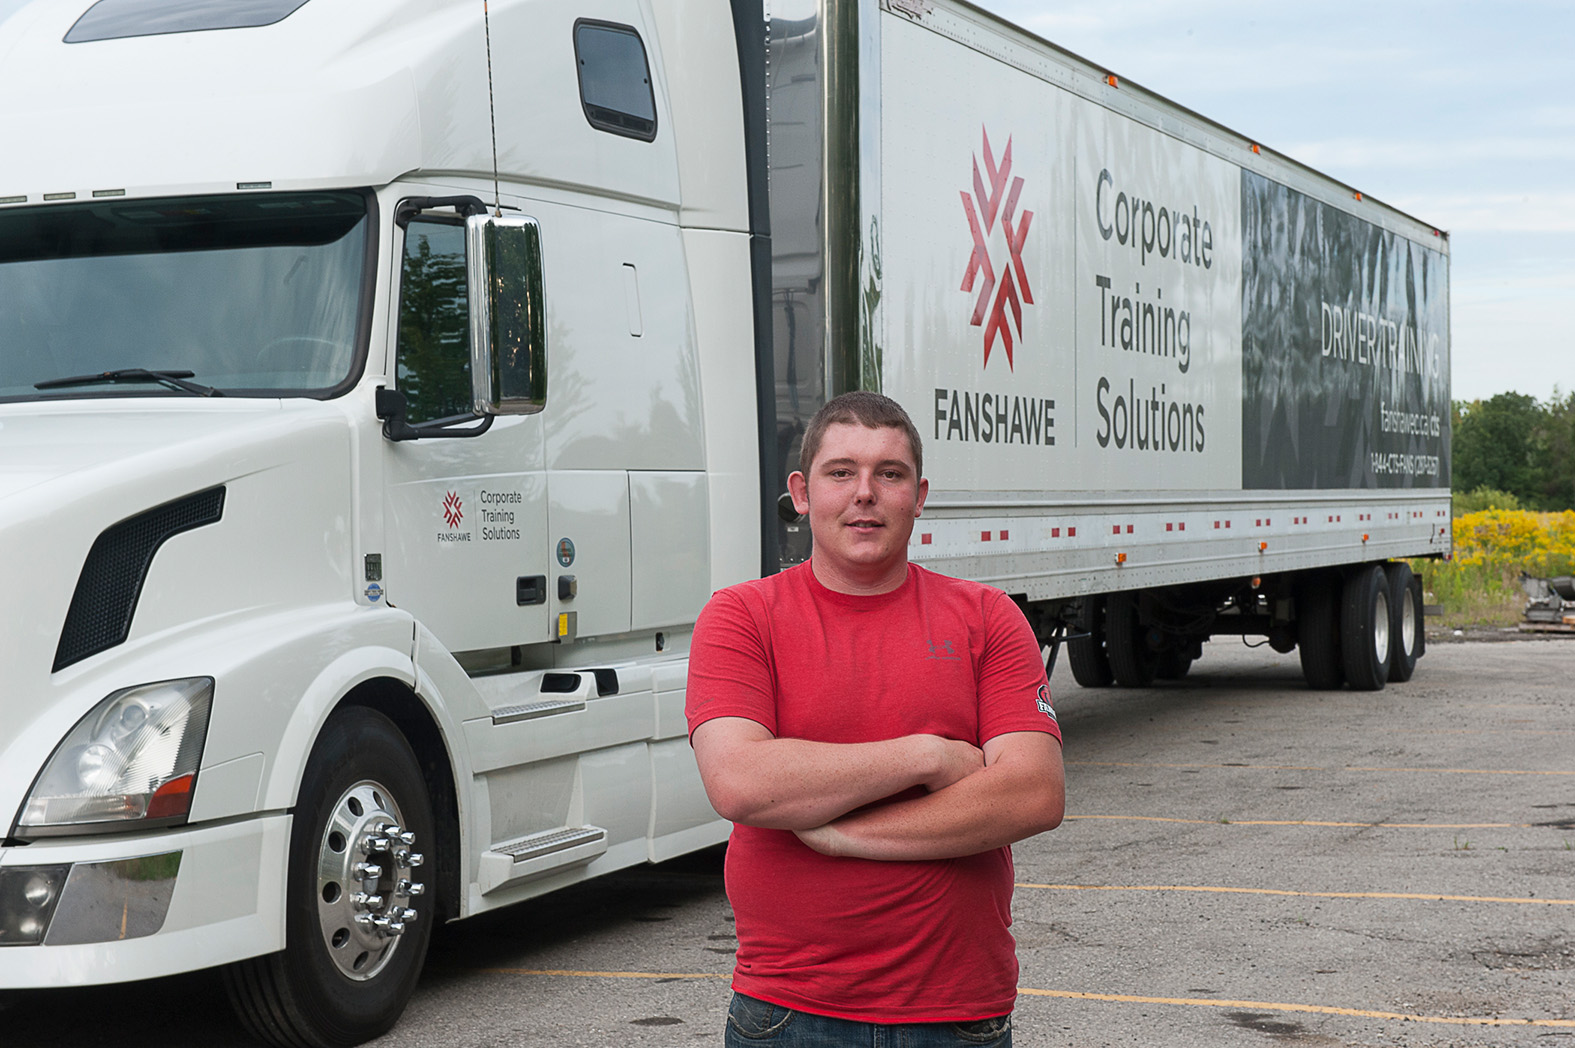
{"x": 385, "y": 388}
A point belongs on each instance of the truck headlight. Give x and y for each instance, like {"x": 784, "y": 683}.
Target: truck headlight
{"x": 132, "y": 759}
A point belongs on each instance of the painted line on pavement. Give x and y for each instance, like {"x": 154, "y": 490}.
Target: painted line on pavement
{"x": 598, "y": 975}
{"x": 1219, "y": 890}
{"x": 1315, "y": 1009}
{"x": 1119, "y": 998}
{"x": 1300, "y": 767}
{"x": 1317, "y": 822}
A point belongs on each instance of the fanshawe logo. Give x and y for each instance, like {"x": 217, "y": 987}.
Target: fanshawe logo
{"x": 1043, "y": 702}
{"x": 991, "y": 199}
{"x": 453, "y": 511}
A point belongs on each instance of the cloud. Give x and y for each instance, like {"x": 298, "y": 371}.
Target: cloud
{"x": 1493, "y": 212}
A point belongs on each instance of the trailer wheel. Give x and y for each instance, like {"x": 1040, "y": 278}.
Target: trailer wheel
{"x": 1132, "y": 662}
{"x": 1090, "y": 662}
{"x": 356, "y": 924}
{"x": 1364, "y": 627}
{"x": 1318, "y": 631}
{"x": 1407, "y": 634}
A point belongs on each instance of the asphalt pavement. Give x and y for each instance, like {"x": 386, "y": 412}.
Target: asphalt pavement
{"x": 1245, "y": 862}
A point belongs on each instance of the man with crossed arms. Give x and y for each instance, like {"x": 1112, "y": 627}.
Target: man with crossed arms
{"x": 879, "y": 734}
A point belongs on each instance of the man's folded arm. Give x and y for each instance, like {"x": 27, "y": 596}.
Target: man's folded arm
{"x": 1020, "y": 791}
{"x": 753, "y": 777}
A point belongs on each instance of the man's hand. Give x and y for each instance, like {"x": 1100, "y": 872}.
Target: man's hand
{"x": 753, "y": 777}
{"x": 1020, "y": 792}
{"x": 956, "y": 759}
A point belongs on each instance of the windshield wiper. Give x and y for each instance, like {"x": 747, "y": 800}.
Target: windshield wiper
{"x": 170, "y": 379}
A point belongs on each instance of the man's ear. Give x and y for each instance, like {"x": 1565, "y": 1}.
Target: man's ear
{"x": 924, "y": 489}
{"x": 798, "y": 487}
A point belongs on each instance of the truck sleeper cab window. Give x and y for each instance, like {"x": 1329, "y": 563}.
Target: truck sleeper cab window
{"x": 615, "y": 79}
{"x": 254, "y": 295}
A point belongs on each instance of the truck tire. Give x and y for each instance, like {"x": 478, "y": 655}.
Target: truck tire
{"x": 1364, "y": 627}
{"x": 1132, "y": 662}
{"x": 356, "y": 927}
{"x": 1407, "y": 634}
{"x": 1318, "y": 631}
{"x": 1087, "y": 656}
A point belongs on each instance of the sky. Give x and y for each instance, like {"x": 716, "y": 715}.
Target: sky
{"x": 1459, "y": 113}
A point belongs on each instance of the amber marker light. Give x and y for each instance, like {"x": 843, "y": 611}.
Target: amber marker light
{"x": 1121, "y": 558}
{"x": 1110, "y": 78}
{"x": 1255, "y": 148}
{"x": 1262, "y": 546}
{"x": 1358, "y": 194}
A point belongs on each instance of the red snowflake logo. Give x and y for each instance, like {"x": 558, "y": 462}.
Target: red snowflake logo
{"x": 990, "y": 202}
{"x": 451, "y": 509}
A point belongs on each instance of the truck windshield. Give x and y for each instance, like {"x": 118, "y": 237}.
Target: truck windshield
{"x": 255, "y": 295}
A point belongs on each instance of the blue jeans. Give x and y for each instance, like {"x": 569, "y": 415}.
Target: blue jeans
{"x": 753, "y": 1022}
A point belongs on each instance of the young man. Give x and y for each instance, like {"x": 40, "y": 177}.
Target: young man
{"x": 879, "y": 734}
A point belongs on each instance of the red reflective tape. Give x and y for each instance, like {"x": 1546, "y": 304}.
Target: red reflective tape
{"x": 924, "y": 539}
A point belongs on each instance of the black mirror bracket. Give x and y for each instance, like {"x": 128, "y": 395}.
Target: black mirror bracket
{"x": 392, "y": 410}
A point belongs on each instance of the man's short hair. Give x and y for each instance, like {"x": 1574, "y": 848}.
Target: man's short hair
{"x": 860, "y": 408}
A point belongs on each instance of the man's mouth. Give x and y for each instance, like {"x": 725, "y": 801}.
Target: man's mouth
{"x": 865, "y": 525}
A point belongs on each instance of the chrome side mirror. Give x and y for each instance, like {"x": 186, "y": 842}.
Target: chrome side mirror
{"x": 508, "y": 315}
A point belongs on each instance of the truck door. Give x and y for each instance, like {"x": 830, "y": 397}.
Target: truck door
{"x": 466, "y": 545}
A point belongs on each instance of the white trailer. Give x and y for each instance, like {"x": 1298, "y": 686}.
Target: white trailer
{"x": 382, "y": 394}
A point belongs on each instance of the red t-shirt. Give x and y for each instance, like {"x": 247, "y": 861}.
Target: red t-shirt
{"x": 856, "y": 938}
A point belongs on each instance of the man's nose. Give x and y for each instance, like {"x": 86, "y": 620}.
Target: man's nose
{"x": 865, "y": 490}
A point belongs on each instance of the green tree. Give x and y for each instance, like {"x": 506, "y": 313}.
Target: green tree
{"x": 1493, "y": 445}
{"x": 1555, "y": 453}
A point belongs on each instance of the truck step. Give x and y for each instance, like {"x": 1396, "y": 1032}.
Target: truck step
{"x": 549, "y": 841}
{"x": 542, "y": 852}
{"x": 531, "y": 710}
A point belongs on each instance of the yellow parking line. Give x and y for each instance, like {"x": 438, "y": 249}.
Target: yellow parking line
{"x": 1300, "y": 767}
{"x": 1317, "y": 822}
{"x": 1120, "y": 998}
{"x": 1315, "y": 1009}
{"x": 599, "y": 975}
{"x": 1217, "y": 890}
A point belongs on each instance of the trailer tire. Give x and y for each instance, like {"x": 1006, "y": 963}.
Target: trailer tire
{"x": 1407, "y": 634}
{"x": 1364, "y": 627}
{"x": 1132, "y": 662}
{"x": 354, "y": 944}
{"x": 1318, "y": 631}
{"x": 1089, "y": 660}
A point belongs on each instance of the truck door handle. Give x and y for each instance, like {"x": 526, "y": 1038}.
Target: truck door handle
{"x": 530, "y": 589}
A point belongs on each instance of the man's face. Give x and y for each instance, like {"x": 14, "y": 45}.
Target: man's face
{"x": 862, "y": 496}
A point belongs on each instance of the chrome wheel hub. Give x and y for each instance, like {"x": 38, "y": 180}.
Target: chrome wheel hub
{"x": 365, "y": 881}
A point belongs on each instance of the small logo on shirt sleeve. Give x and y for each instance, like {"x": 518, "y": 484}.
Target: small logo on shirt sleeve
{"x": 1044, "y": 703}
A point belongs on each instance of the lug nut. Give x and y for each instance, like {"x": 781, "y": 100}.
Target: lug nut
{"x": 415, "y": 889}
{"x": 365, "y": 920}
{"x": 368, "y": 871}
{"x": 409, "y": 836}
{"x": 415, "y": 859}
{"x": 408, "y": 915}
